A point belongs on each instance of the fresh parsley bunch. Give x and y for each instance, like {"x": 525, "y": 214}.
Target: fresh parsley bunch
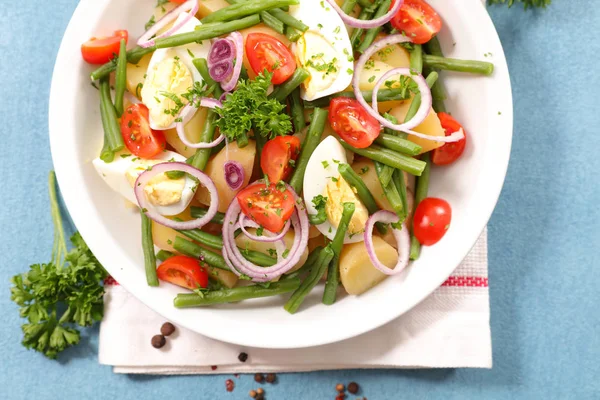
{"x": 526, "y": 3}
{"x": 249, "y": 108}
{"x": 58, "y": 296}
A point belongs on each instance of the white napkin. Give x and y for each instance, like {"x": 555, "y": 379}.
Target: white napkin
{"x": 449, "y": 329}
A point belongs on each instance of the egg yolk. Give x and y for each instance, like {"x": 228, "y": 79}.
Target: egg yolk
{"x": 161, "y": 190}
{"x": 163, "y": 88}
{"x": 338, "y": 192}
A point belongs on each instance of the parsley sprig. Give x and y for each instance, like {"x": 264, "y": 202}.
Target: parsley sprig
{"x": 58, "y": 296}
{"x": 249, "y": 108}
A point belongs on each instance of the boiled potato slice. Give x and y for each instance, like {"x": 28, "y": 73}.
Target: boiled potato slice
{"x": 260, "y": 28}
{"x": 214, "y": 169}
{"x": 226, "y": 278}
{"x": 366, "y": 170}
{"x": 356, "y": 270}
{"x": 136, "y": 75}
{"x": 192, "y": 129}
{"x": 395, "y": 55}
{"x": 266, "y": 247}
{"x": 369, "y": 76}
{"x": 430, "y": 126}
{"x": 209, "y": 6}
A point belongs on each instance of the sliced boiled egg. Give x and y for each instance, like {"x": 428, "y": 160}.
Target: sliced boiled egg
{"x": 170, "y": 75}
{"x": 322, "y": 178}
{"x": 324, "y": 50}
{"x": 168, "y": 196}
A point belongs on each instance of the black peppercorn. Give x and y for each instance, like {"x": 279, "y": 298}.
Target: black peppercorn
{"x": 259, "y": 378}
{"x": 271, "y": 378}
{"x": 353, "y": 387}
{"x": 243, "y": 357}
{"x": 167, "y": 329}
{"x": 158, "y": 341}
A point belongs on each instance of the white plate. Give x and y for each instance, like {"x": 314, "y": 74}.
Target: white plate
{"x": 472, "y": 186}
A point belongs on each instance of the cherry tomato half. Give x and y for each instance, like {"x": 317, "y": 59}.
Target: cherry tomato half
{"x": 418, "y": 20}
{"x": 102, "y": 50}
{"x": 449, "y": 152}
{"x": 266, "y": 52}
{"x": 139, "y": 138}
{"x": 352, "y": 122}
{"x": 431, "y": 220}
{"x": 178, "y": 1}
{"x": 277, "y": 157}
{"x": 270, "y": 207}
{"x": 183, "y": 271}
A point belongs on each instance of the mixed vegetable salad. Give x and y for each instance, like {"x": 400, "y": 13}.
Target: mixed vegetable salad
{"x": 272, "y": 144}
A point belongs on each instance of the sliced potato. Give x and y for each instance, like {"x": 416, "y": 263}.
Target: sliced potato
{"x": 356, "y": 270}
{"x": 210, "y": 6}
{"x": 164, "y": 237}
{"x": 260, "y": 28}
{"x": 265, "y": 247}
{"x": 226, "y": 278}
{"x": 214, "y": 169}
{"x": 366, "y": 170}
{"x": 136, "y": 75}
{"x": 430, "y": 126}
{"x": 395, "y": 55}
{"x": 192, "y": 129}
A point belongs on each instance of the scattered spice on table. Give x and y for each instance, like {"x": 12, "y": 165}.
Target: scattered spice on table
{"x": 271, "y": 378}
{"x": 158, "y": 341}
{"x": 243, "y": 357}
{"x": 252, "y": 394}
{"x": 259, "y": 378}
{"x": 260, "y": 391}
{"x": 353, "y": 387}
{"x": 167, "y": 329}
{"x": 229, "y": 385}
{"x": 340, "y": 396}
{"x": 236, "y": 375}
{"x": 340, "y": 387}
{"x": 213, "y": 367}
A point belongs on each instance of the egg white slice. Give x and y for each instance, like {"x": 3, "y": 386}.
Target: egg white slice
{"x": 327, "y": 35}
{"x": 185, "y": 53}
{"x": 322, "y": 166}
{"x": 114, "y": 174}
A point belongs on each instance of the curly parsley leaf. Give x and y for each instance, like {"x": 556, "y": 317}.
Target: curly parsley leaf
{"x": 58, "y": 296}
{"x": 249, "y": 108}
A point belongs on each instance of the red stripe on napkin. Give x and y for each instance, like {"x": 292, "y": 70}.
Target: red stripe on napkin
{"x": 466, "y": 281}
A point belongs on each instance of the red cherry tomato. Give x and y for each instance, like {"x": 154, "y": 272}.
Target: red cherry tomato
{"x": 183, "y": 271}
{"x": 267, "y": 206}
{"x": 102, "y": 50}
{"x": 266, "y": 52}
{"x": 277, "y": 157}
{"x": 431, "y": 220}
{"x": 139, "y": 138}
{"x": 418, "y": 20}
{"x": 352, "y": 122}
{"x": 178, "y": 1}
{"x": 449, "y": 152}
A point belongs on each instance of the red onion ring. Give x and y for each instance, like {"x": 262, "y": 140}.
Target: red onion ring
{"x": 402, "y": 238}
{"x": 146, "y": 207}
{"x": 238, "y": 40}
{"x": 220, "y": 71}
{"x": 365, "y": 24}
{"x": 244, "y": 222}
{"x": 187, "y": 114}
{"x": 234, "y": 174}
{"x": 239, "y": 265}
{"x": 426, "y": 99}
{"x": 145, "y": 41}
{"x": 221, "y": 51}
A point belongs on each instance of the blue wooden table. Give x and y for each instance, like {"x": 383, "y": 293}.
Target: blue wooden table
{"x": 544, "y": 234}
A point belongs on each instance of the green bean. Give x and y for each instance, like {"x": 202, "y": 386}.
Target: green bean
{"x": 148, "y": 247}
{"x": 385, "y": 176}
{"x": 333, "y": 272}
{"x": 246, "y": 8}
{"x": 203, "y": 32}
{"x": 164, "y": 255}
{"x": 366, "y": 4}
{"x": 389, "y": 157}
{"x": 348, "y": 6}
{"x": 272, "y": 22}
{"x": 258, "y": 258}
{"x": 382, "y": 95}
{"x": 193, "y": 250}
{"x": 372, "y": 33}
{"x": 260, "y": 143}
{"x": 287, "y": 87}
{"x": 199, "y": 212}
{"x": 399, "y": 182}
{"x": 106, "y": 155}
{"x": 289, "y": 20}
{"x": 121, "y": 78}
{"x": 205, "y": 238}
{"x": 365, "y": 14}
{"x": 313, "y": 137}
{"x": 292, "y": 34}
{"x": 242, "y": 140}
{"x": 438, "y": 93}
{"x": 317, "y": 271}
{"x": 200, "y": 159}
{"x": 390, "y": 131}
{"x": 233, "y": 295}
{"x": 297, "y": 111}
{"x": 115, "y": 140}
{"x": 391, "y": 193}
{"x": 308, "y": 264}
{"x": 453, "y": 64}
{"x": 362, "y": 191}
{"x": 398, "y": 144}
{"x": 416, "y": 58}
{"x": 202, "y": 66}
{"x": 420, "y": 194}
{"x": 416, "y": 102}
